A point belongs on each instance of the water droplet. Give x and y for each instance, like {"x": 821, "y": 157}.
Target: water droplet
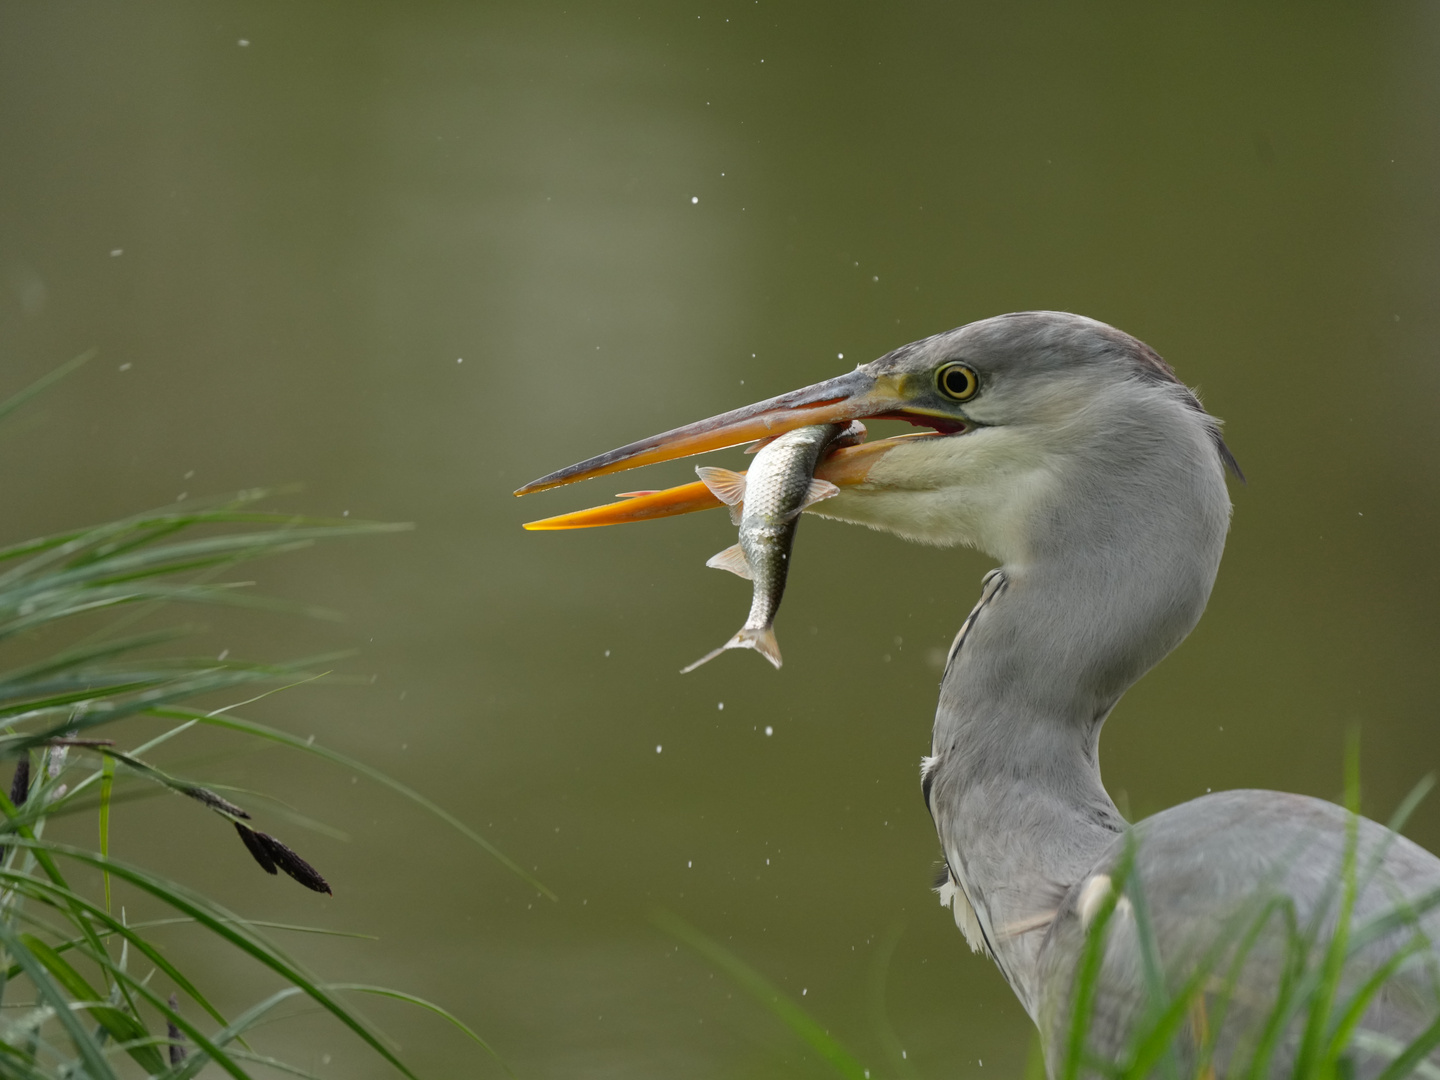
{"x": 769, "y": 730}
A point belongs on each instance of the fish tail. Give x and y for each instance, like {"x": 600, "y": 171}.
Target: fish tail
{"x": 705, "y": 659}
{"x": 761, "y": 639}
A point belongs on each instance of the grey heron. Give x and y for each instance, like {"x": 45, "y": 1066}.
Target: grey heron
{"x": 1070, "y": 452}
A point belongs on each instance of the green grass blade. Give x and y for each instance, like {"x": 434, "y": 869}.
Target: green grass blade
{"x": 16, "y": 1063}
{"x": 65, "y": 945}
{"x": 198, "y": 1037}
{"x": 1413, "y": 1054}
{"x": 151, "y": 701}
{"x": 107, "y": 782}
{"x": 42, "y": 857}
{"x": 430, "y": 1006}
{"x": 95, "y": 1063}
{"x": 183, "y": 555}
{"x": 80, "y": 907}
{"x": 763, "y": 991}
{"x": 1222, "y": 1000}
{"x": 224, "y": 924}
{"x": 1156, "y": 993}
{"x": 123, "y": 1027}
{"x": 1406, "y": 913}
{"x": 1350, "y": 1019}
{"x": 1411, "y": 802}
{"x": 879, "y": 1014}
{"x": 81, "y": 657}
{"x": 40, "y": 385}
{"x": 1087, "y": 971}
{"x": 214, "y": 1048}
{"x": 1317, "y": 1022}
{"x": 1159, "y": 1038}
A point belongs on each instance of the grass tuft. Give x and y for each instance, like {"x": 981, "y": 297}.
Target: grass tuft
{"x": 72, "y": 1003}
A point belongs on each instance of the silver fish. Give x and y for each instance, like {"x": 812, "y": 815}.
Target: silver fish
{"x": 766, "y": 502}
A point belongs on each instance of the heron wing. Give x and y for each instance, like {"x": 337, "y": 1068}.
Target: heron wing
{"x": 1228, "y": 898}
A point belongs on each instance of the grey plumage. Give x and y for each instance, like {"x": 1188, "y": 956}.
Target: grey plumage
{"x": 1222, "y": 867}
{"x": 1108, "y": 565}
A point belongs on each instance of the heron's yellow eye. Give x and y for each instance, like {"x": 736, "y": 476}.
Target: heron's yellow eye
{"x": 957, "y": 381}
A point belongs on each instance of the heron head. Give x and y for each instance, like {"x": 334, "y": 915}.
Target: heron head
{"x": 1018, "y": 408}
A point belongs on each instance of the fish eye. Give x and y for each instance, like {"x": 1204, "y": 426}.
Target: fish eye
{"x": 957, "y": 381}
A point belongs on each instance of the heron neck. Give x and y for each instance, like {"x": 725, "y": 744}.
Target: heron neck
{"x": 1055, "y": 641}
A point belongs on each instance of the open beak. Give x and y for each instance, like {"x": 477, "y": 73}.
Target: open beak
{"x": 845, "y": 467}
{"x": 853, "y": 396}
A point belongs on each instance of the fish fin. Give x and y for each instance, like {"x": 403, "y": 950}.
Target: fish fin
{"x": 756, "y": 447}
{"x": 762, "y": 640}
{"x": 732, "y": 559}
{"x": 727, "y": 486}
{"x": 819, "y": 491}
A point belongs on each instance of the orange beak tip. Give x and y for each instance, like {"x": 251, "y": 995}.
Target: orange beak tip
{"x": 634, "y": 506}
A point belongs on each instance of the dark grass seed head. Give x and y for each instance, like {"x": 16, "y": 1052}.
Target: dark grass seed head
{"x": 256, "y": 849}
{"x": 273, "y": 856}
{"x": 20, "y": 784}
{"x": 288, "y": 861}
{"x": 175, "y": 1035}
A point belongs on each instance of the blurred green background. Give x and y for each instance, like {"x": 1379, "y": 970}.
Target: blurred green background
{"x": 413, "y": 255}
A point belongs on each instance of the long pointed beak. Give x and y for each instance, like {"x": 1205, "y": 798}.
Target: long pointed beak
{"x": 845, "y": 467}
{"x": 848, "y": 397}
